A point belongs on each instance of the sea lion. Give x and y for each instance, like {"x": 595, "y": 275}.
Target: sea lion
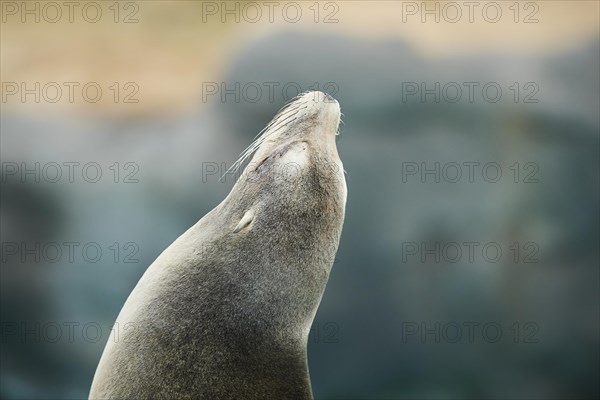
{"x": 225, "y": 311}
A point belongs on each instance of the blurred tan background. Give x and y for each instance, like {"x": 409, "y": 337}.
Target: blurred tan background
{"x": 170, "y": 51}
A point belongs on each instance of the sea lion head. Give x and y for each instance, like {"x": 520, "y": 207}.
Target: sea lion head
{"x": 285, "y": 212}
{"x": 297, "y": 150}
{"x": 313, "y": 118}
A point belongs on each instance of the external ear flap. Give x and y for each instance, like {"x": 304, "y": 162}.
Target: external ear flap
{"x": 245, "y": 221}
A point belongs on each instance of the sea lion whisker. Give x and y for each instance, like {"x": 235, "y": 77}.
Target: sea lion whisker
{"x": 279, "y": 121}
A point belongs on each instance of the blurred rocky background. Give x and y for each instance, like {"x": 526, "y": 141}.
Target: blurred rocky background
{"x": 468, "y": 265}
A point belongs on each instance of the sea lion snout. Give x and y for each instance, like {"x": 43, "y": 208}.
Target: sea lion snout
{"x": 319, "y": 97}
{"x": 324, "y": 105}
